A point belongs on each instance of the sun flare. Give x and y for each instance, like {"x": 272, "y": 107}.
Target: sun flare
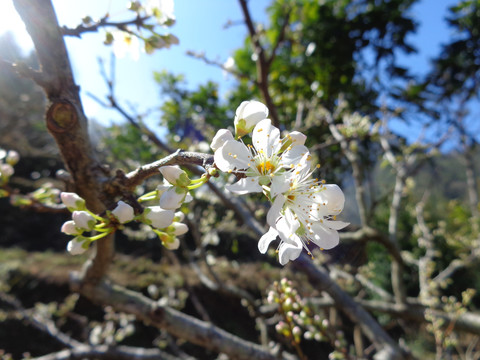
{"x": 10, "y": 21}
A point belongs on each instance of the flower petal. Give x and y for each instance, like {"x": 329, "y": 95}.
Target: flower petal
{"x": 279, "y": 185}
{"x": 289, "y": 251}
{"x": 286, "y": 229}
{"x": 266, "y": 239}
{"x": 336, "y": 225}
{"x": 222, "y": 136}
{"x": 172, "y": 198}
{"x": 323, "y": 237}
{"x": 296, "y": 155}
{"x": 232, "y": 155}
{"x": 333, "y": 196}
{"x": 297, "y": 138}
{"x": 274, "y": 212}
{"x": 266, "y": 138}
{"x": 158, "y": 217}
{"x": 245, "y": 186}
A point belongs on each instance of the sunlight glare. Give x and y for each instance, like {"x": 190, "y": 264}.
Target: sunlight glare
{"x": 10, "y": 21}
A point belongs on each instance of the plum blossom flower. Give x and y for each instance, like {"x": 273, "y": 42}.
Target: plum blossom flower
{"x": 247, "y": 115}
{"x": 268, "y": 157}
{"x": 125, "y": 43}
{"x": 305, "y": 212}
{"x": 123, "y": 212}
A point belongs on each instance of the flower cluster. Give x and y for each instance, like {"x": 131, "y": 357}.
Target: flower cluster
{"x": 166, "y": 223}
{"x": 149, "y": 15}
{"x": 300, "y": 321}
{"x": 304, "y": 209}
{"x": 8, "y": 159}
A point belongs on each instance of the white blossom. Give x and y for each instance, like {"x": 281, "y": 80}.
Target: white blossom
{"x": 72, "y": 201}
{"x": 247, "y": 115}
{"x": 175, "y": 176}
{"x": 76, "y": 246}
{"x": 268, "y": 157}
{"x": 158, "y": 217}
{"x": 69, "y": 228}
{"x": 123, "y": 212}
{"x": 83, "y": 220}
{"x": 305, "y": 212}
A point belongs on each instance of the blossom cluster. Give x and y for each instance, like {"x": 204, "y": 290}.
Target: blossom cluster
{"x": 304, "y": 209}
{"x": 163, "y": 219}
{"x": 8, "y": 159}
{"x": 299, "y": 320}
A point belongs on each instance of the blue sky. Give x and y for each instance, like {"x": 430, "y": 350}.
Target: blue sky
{"x": 200, "y": 27}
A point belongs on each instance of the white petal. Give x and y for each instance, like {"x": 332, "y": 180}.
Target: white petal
{"x": 296, "y": 155}
{"x": 160, "y": 218}
{"x": 323, "y": 237}
{"x": 232, "y": 155}
{"x": 333, "y": 196}
{"x": 289, "y": 252}
{"x": 266, "y": 239}
{"x": 180, "y": 228}
{"x": 274, "y": 212}
{"x": 266, "y": 138}
{"x": 171, "y": 199}
{"x": 297, "y": 138}
{"x": 173, "y": 245}
{"x": 222, "y": 136}
{"x": 123, "y": 212}
{"x": 245, "y": 186}
{"x": 174, "y": 175}
{"x": 75, "y": 247}
{"x": 83, "y": 220}
{"x": 286, "y": 229}
{"x": 252, "y": 112}
{"x": 69, "y": 228}
{"x": 336, "y": 225}
{"x": 279, "y": 185}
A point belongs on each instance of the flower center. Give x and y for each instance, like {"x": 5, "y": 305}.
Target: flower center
{"x": 265, "y": 167}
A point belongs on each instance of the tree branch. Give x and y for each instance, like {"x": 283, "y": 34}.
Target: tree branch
{"x": 173, "y": 321}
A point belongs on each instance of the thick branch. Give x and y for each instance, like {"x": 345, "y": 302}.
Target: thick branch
{"x": 66, "y": 120}
{"x": 173, "y": 321}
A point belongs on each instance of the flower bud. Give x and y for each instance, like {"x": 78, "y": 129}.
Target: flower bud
{"x": 173, "y": 198}
{"x": 6, "y": 170}
{"x": 12, "y": 157}
{"x": 179, "y": 228}
{"x": 179, "y": 216}
{"x": 157, "y": 217}
{"x": 123, "y": 212}
{"x": 248, "y": 114}
{"x": 69, "y": 228}
{"x": 77, "y": 246}
{"x": 83, "y": 220}
{"x": 72, "y": 201}
{"x": 175, "y": 176}
{"x": 172, "y": 243}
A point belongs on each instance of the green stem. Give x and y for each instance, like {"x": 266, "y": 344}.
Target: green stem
{"x": 99, "y": 236}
